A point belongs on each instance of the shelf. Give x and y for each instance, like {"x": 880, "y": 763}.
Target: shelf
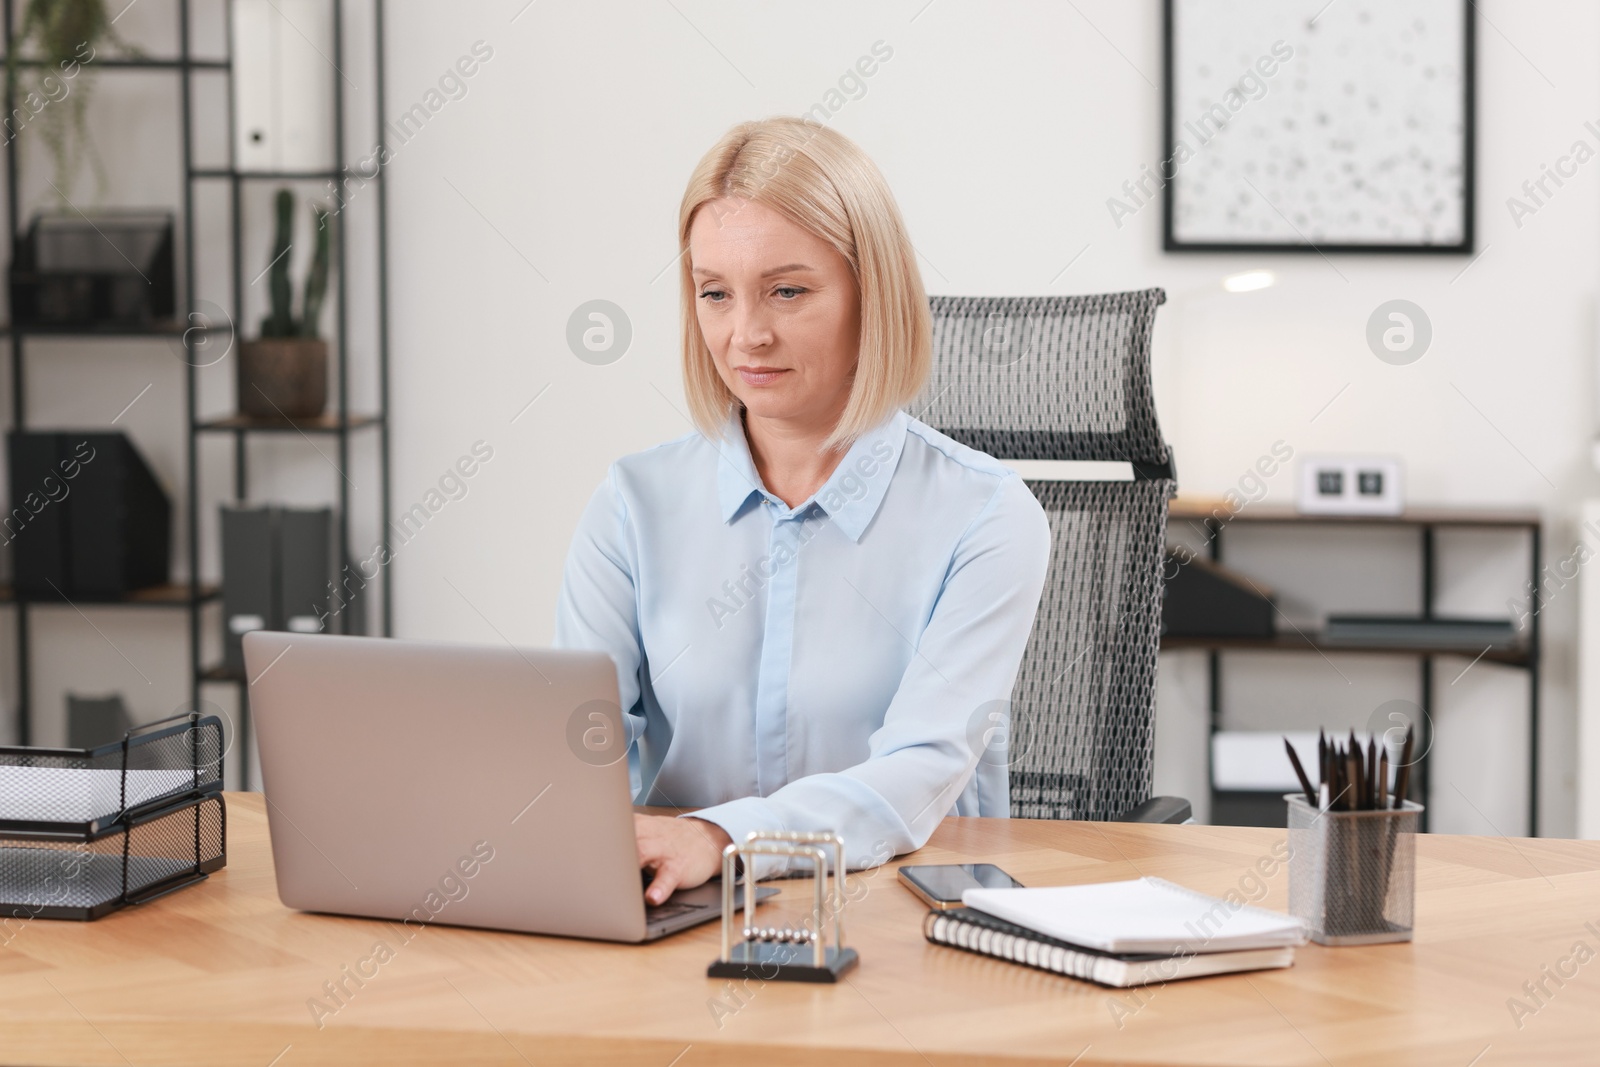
{"x": 198, "y": 239}
{"x": 133, "y": 63}
{"x": 1313, "y": 641}
{"x": 162, "y": 328}
{"x": 221, "y": 173}
{"x": 324, "y": 423}
{"x": 1194, "y": 509}
{"x": 171, "y": 595}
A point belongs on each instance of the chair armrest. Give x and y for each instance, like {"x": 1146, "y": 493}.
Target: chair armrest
{"x": 1159, "y": 809}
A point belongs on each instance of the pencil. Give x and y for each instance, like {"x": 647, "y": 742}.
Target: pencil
{"x": 1300, "y": 773}
{"x": 1402, "y": 776}
{"x": 1372, "y": 793}
{"x": 1358, "y": 778}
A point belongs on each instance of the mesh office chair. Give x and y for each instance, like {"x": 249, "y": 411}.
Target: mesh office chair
{"x": 1068, "y": 378}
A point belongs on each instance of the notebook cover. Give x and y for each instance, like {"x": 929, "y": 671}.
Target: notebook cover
{"x": 1139, "y": 915}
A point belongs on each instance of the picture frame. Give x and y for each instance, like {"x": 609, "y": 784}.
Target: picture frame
{"x": 1350, "y": 485}
{"x": 1380, "y": 110}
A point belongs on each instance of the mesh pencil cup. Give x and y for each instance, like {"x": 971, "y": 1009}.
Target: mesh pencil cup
{"x": 1353, "y": 874}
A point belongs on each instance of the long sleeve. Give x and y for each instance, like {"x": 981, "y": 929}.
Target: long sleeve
{"x": 598, "y": 605}
{"x": 924, "y": 754}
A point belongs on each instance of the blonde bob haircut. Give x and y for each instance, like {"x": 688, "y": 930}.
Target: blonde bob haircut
{"x": 824, "y": 183}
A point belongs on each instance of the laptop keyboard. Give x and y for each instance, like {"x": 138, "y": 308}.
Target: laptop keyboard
{"x": 654, "y": 913}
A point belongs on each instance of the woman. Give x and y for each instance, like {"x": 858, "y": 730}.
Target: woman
{"x": 814, "y": 599}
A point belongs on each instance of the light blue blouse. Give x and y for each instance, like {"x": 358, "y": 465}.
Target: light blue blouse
{"x": 834, "y": 666}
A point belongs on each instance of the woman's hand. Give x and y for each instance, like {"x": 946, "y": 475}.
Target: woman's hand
{"x": 682, "y": 853}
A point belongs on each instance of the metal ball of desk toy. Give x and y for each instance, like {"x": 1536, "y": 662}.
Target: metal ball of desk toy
{"x": 773, "y": 953}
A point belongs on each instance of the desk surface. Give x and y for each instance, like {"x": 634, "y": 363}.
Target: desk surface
{"x": 221, "y": 973}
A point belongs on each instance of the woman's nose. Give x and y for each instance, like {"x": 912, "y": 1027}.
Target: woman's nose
{"x": 751, "y": 328}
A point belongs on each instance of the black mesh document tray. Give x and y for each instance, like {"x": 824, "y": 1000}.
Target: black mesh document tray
{"x": 77, "y": 793}
{"x": 115, "y": 270}
{"x": 130, "y": 862}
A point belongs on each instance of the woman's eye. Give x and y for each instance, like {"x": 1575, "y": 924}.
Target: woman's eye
{"x": 711, "y": 293}
{"x": 789, "y": 292}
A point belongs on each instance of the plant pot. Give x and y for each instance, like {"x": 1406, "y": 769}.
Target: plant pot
{"x": 283, "y": 377}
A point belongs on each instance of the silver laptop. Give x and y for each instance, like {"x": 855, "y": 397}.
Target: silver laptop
{"x": 459, "y": 784}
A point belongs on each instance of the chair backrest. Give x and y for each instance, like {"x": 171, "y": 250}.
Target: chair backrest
{"x": 1068, "y": 378}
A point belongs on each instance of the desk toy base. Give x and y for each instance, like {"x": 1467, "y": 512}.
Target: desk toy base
{"x": 778, "y": 962}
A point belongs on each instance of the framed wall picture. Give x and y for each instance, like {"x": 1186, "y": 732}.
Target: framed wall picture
{"x": 1316, "y": 125}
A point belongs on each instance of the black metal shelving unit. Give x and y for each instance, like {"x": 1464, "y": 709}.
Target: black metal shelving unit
{"x": 340, "y": 424}
{"x": 1524, "y": 655}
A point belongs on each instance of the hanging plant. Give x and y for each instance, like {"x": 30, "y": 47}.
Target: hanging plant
{"x": 59, "y": 39}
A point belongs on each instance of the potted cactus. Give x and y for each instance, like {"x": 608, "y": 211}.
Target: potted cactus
{"x": 284, "y": 374}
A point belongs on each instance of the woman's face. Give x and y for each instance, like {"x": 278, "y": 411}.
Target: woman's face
{"x": 779, "y": 310}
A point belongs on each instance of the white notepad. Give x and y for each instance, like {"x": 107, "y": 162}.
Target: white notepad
{"x": 1142, "y": 915}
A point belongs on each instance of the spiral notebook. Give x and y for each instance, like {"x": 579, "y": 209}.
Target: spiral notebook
{"x": 1144, "y": 915}
{"x": 974, "y": 931}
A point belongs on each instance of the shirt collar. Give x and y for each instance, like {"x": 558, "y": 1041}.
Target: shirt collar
{"x": 850, "y": 496}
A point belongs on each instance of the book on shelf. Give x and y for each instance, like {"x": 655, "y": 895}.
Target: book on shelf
{"x": 1413, "y": 630}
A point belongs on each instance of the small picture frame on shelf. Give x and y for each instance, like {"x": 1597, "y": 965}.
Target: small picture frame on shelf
{"x": 1350, "y": 485}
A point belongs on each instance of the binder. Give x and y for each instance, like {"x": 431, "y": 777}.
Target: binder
{"x": 350, "y": 605}
{"x": 283, "y": 84}
{"x": 278, "y": 568}
{"x": 249, "y": 560}
{"x": 305, "y": 560}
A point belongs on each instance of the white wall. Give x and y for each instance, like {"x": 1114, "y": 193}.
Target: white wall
{"x": 1003, "y": 129}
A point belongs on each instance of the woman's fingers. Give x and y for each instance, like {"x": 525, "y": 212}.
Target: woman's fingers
{"x": 642, "y": 838}
{"x": 662, "y": 885}
{"x": 681, "y": 852}
{"x": 656, "y": 855}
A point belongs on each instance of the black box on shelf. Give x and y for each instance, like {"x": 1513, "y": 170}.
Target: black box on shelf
{"x": 93, "y": 721}
{"x": 87, "y": 517}
{"x": 1239, "y": 807}
{"x": 110, "y": 270}
{"x": 1203, "y": 599}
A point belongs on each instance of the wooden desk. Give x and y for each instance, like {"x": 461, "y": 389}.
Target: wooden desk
{"x": 221, "y": 974}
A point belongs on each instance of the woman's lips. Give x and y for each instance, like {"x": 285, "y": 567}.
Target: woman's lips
{"x": 753, "y": 376}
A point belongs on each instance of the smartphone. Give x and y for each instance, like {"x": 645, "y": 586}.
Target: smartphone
{"x": 940, "y": 884}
